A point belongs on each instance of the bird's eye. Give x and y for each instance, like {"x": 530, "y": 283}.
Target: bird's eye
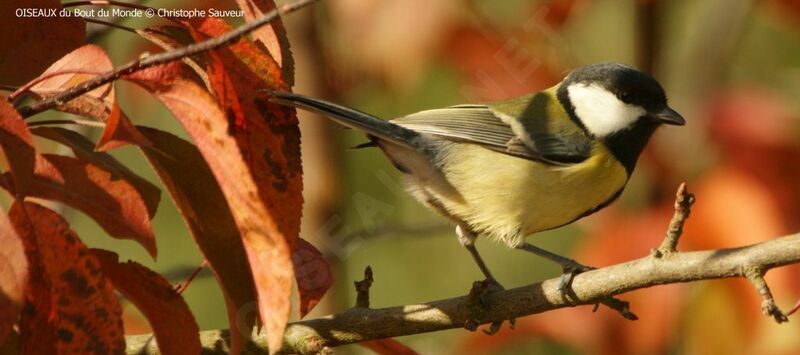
{"x": 625, "y": 97}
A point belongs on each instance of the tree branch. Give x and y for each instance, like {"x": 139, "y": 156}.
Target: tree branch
{"x": 664, "y": 265}
{"x": 359, "y": 324}
{"x": 160, "y": 58}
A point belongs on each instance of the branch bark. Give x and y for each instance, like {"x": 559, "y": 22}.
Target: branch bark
{"x": 359, "y": 324}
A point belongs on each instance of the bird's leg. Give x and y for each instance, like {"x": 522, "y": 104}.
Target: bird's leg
{"x": 570, "y": 267}
{"x": 467, "y": 239}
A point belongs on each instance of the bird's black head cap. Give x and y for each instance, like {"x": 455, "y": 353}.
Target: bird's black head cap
{"x": 625, "y": 135}
{"x": 630, "y": 85}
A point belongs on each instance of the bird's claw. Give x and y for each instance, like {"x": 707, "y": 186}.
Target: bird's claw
{"x": 494, "y": 328}
{"x": 480, "y": 289}
{"x": 569, "y": 271}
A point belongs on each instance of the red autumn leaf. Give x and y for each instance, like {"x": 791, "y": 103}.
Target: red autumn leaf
{"x": 78, "y": 66}
{"x": 16, "y": 142}
{"x": 387, "y": 346}
{"x": 70, "y": 307}
{"x": 119, "y": 131}
{"x": 272, "y": 36}
{"x": 313, "y": 274}
{"x": 267, "y": 134}
{"x": 84, "y": 150}
{"x": 103, "y": 195}
{"x": 267, "y": 248}
{"x": 87, "y": 62}
{"x": 30, "y": 43}
{"x": 200, "y": 200}
{"x": 175, "y": 329}
{"x": 13, "y": 276}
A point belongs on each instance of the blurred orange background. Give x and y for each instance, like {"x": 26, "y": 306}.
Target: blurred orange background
{"x": 731, "y": 67}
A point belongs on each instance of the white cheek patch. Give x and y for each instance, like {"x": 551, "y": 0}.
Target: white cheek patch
{"x": 601, "y": 112}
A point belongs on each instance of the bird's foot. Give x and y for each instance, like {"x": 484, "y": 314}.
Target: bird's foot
{"x": 570, "y": 268}
{"x": 478, "y": 294}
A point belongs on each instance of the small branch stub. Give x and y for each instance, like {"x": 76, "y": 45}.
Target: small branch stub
{"x": 182, "y": 286}
{"x": 622, "y": 307}
{"x": 768, "y": 306}
{"x": 794, "y": 308}
{"x": 362, "y": 288}
{"x": 683, "y": 206}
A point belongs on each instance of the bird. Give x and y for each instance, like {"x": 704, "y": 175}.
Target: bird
{"x": 509, "y": 169}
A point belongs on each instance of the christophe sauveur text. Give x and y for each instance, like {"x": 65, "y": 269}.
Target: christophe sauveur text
{"x": 116, "y": 12}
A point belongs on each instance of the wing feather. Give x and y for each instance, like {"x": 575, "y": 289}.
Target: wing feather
{"x": 530, "y": 136}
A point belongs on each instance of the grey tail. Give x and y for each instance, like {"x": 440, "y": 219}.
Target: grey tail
{"x": 348, "y": 117}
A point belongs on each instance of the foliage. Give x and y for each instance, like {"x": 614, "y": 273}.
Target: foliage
{"x": 238, "y": 187}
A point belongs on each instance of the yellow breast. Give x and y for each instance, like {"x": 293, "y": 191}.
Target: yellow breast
{"x": 508, "y": 198}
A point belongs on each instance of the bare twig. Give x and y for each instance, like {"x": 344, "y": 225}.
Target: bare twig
{"x": 160, "y": 58}
{"x": 182, "y": 286}
{"x": 793, "y": 309}
{"x": 768, "y": 306}
{"x": 622, "y": 307}
{"x": 359, "y": 324}
{"x": 88, "y": 123}
{"x": 362, "y": 288}
{"x": 683, "y": 206}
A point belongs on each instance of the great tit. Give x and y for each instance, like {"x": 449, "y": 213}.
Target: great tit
{"x": 512, "y": 168}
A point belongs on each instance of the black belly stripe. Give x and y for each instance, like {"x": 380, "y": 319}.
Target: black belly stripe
{"x": 594, "y": 209}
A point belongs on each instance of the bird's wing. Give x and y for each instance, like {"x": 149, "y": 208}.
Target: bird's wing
{"x": 510, "y": 127}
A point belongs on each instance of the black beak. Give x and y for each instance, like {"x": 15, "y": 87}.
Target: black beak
{"x": 669, "y": 116}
